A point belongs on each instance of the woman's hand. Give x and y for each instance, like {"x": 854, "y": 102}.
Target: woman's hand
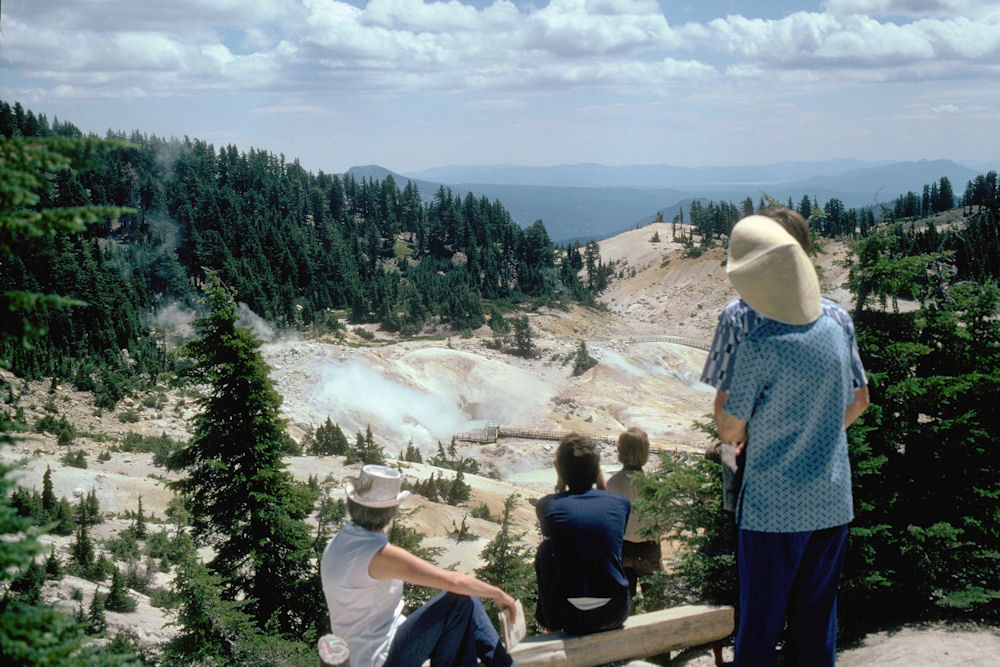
{"x": 506, "y": 602}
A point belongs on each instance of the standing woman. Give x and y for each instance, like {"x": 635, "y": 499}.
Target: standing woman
{"x": 791, "y": 397}
{"x": 363, "y": 578}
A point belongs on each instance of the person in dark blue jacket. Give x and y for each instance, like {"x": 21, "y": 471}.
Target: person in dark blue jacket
{"x": 582, "y": 586}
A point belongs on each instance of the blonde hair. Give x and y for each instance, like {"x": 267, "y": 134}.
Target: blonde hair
{"x": 633, "y": 448}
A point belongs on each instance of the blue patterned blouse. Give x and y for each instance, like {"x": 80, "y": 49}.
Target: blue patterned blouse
{"x": 792, "y": 384}
{"x": 738, "y": 319}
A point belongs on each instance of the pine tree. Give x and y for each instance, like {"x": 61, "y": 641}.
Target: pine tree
{"x": 48, "y": 497}
{"x": 138, "y": 526}
{"x": 82, "y": 550}
{"x": 97, "y": 622}
{"x": 507, "y": 564}
{"x": 523, "y": 338}
{"x": 53, "y": 566}
{"x": 118, "y": 598}
{"x": 582, "y": 362}
{"x": 240, "y": 497}
{"x": 31, "y": 633}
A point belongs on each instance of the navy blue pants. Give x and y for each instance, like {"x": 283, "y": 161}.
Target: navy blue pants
{"x": 450, "y": 629}
{"x": 555, "y": 612}
{"x": 794, "y": 575}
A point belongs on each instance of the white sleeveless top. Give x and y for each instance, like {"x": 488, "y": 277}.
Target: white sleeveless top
{"x": 364, "y": 612}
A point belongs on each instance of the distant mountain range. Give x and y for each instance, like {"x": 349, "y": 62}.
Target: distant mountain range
{"x": 593, "y": 201}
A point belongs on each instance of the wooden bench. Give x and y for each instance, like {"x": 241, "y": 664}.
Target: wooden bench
{"x": 642, "y": 636}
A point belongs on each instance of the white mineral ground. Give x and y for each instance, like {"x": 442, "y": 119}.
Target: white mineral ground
{"x": 429, "y": 389}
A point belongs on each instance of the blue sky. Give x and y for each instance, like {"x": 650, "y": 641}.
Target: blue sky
{"x": 411, "y": 84}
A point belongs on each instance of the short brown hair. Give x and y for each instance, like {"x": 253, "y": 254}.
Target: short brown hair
{"x": 374, "y": 519}
{"x": 633, "y": 448}
{"x": 792, "y": 222}
{"x": 578, "y": 462}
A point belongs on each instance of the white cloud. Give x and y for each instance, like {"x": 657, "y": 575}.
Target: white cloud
{"x": 390, "y": 47}
{"x": 936, "y": 8}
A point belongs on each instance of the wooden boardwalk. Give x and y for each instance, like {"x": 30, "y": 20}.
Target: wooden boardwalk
{"x": 676, "y": 340}
{"x": 526, "y": 433}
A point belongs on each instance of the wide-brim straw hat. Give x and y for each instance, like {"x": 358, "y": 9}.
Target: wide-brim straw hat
{"x": 377, "y": 486}
{"x": 772, "y": 272}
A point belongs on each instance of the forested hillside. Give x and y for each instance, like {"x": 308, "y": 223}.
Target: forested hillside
{"x": 292, "y": 245}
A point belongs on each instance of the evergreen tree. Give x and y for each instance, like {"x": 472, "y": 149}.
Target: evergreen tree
{"x": 97, "y": 622}
{"x": 138, "y": 527}
{"x": 215, "y": 631}
{"x": 507, "y": 564}
{"x": 82, "y": 550}
{"x": 242, "y": 501}
{"x": 582, "y": 362}
{"x": 31, "y": 632}
{"x": 118, "y": 598}
{"x": 48, "y": 497}
{"x": 53, "y": 566}
{"x": 523, "y": 337}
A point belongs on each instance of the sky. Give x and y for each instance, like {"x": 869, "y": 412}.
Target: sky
{"x": 414, "y": 84}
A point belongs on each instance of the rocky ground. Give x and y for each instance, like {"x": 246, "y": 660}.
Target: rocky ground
{"x": 427, "y": 390}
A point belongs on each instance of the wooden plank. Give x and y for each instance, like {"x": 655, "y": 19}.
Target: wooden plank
{"x": 642, "y": 635}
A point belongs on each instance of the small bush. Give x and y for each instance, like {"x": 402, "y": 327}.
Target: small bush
{"x": 75, "y": 459}
{"x": 129, "y": 416}
{"x": 482, "y": 511}
{"x": 164, "y": 598}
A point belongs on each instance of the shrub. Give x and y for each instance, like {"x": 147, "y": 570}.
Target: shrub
{"x": 75, "y": 459}
{"x": 129, "y": 416}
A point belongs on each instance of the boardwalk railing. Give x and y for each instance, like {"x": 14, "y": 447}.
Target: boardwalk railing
{"x": 676, "y": 340}
{"x": 531, "y": 434}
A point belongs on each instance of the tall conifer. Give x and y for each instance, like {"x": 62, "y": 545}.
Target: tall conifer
{"x": 242, "y": 501}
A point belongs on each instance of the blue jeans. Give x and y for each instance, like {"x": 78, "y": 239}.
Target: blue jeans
{"x": 555, "y": 612}
{"x": 793, "y": 574}
{"x": 450, "y": 629}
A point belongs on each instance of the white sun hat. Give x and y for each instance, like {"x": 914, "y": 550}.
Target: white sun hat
{"x": 772, "y": 272}
{"x": 377, "y": 486}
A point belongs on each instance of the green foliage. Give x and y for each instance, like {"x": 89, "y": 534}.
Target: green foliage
{"x": 436, "y": 488}
{"x": 482, "y": 511}
{"x": 241, "y": 500}
{"x": 522, "y": 338}
{"x": 216, "y": 631}
{"x": 161, "y": 446}
{"x": 683, "y": 500}
{"x": 462, "y": 532}
{"x": 97, "y": 622}
{"x": 124, "y": 547}
{"x": 129, "y": 416}
{"x": 75, "y": 459}
{"x": 412, "y": 453}
{"x": 365, "y": 450}
{"x": 327, "y": 440}
{"x": 118, "y": 598}
{"x": 508, "y": 564}
{"x": 410, "y": 539}
{"x": 58, "y": 426}
{"x": 453, "y": 461}
{"x": 582, "y": 361}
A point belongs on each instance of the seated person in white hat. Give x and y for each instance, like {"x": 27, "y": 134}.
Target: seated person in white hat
{"x": 363, "y": 578}
{"x": 791, "y": 397}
